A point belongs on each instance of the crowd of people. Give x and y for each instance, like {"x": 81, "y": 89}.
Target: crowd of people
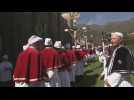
{"x": 42, "y": 63}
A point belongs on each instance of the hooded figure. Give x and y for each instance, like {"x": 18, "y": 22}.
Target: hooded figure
{"x": 72, "y": 62}
{"x": 50, "y": 61}
{"x": 80, "y": 60}
{"x": 27, "y": 71}
{"x": 63, "y": 71}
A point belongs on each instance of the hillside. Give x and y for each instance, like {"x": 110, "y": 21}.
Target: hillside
{"x": 121, "y": 26}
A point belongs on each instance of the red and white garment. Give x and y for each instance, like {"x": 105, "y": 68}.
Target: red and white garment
{"x": 50, "y": 62}
{"x": 27, "y": 67}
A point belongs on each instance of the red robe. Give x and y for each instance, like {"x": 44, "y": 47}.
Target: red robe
{"x": 80, "y": 55}
{"x": 27, "y": 67}
{"x": 85, "y": 51}
{"x": 50, "y": 59}
{"x": 64, "y": 60}
{"x": 93, "y": 51}
{"x": 71, "y": 56}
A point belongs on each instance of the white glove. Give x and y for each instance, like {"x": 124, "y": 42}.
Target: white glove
{"x": 47, "y": 84}
{"x": 74, "y": 64}
{"x": 50, "y": 74}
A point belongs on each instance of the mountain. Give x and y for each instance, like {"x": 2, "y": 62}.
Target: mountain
{"x": 121, "y": 26}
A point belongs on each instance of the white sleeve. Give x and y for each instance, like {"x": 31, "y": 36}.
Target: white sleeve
{"x": 103, "y": 73}
{"x": 114, "y": 79}
{"x": 125, "y": 83}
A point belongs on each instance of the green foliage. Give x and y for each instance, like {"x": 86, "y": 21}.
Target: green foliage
{"x": 129, "y": 41}
{"x": 92, "y": 72}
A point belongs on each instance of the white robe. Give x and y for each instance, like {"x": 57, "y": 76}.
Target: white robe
{"x": 117, "y": 80}
{"x": 54, "y": 81}
{"x": 80, "y": 68}
{"x": 72, "y": 73}
{"x": 21, "y": 84}
{"x": 64, "y": 78}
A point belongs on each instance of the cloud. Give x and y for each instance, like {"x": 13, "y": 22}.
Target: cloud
{"x": 104, "y": 17}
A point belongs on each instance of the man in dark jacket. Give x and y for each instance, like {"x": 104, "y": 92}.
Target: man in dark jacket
{"x": 121, "y": 59}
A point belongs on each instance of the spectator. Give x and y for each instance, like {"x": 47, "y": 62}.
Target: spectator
{"x": 5, "y": 72}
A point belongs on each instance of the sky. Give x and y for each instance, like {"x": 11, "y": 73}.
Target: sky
{"x": 102, "y": 18}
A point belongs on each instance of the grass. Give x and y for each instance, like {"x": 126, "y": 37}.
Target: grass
{"x": 92, "y": 72}
{"x": 90, "y": 79}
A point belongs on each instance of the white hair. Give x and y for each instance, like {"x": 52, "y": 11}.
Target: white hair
{"x": 119, "y": 34}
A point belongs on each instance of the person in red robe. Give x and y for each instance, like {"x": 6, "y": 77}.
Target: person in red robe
{"x": 85, "y": 54}
{"x": 80, "y": 65}
{"x": 72, "y": 62}
{"x": 63, "y": 70}
{"x": 27, "y": 72}
{"x": 50, "y": 62}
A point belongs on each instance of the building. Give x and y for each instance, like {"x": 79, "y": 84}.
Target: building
{"x": 16, "y": 27}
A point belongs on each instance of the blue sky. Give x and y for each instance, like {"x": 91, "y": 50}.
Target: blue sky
{"x": 103, "y": 17}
